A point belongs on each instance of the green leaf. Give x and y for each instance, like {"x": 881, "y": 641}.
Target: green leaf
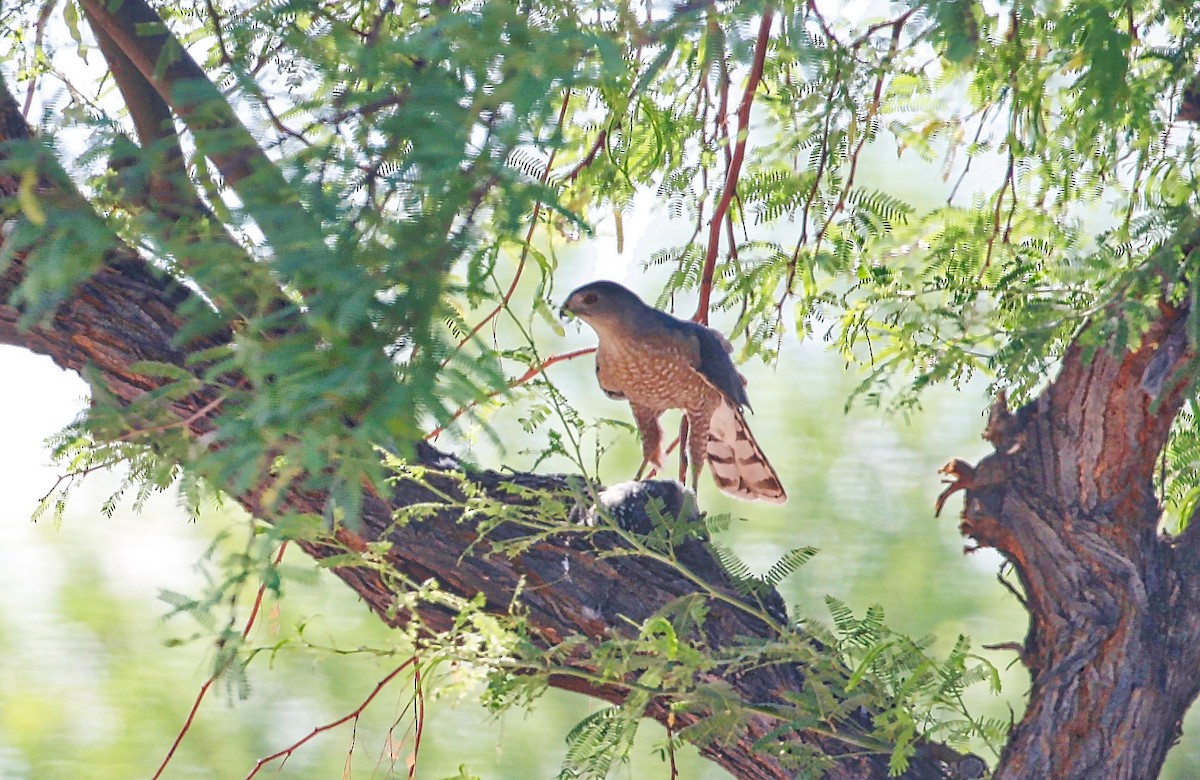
{"x": 28, "y": 201}
{"x": 547, "y": 314}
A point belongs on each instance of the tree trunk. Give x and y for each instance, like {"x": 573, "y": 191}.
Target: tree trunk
{"x": 1068, "y": 498}
{"x": 128, "y": 312}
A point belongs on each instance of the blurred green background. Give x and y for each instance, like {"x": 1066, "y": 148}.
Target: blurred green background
{"x": 90, "y": 688}
{"x": 95, "y": 683}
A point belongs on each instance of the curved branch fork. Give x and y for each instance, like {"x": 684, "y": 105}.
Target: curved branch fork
{"x": 1068, "y": 498}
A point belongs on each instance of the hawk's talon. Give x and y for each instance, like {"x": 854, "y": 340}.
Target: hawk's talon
{"x": 653, "y": 464}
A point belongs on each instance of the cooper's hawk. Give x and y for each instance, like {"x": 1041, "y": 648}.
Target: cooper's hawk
{"x": 659, "y": 362}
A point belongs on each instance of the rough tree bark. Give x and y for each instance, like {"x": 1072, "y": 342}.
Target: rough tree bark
{"x": 128, "y": 312}
{"x": 1068, "y": 498}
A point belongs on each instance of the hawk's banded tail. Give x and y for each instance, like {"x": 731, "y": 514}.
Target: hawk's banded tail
{"x": 738, "y": 464}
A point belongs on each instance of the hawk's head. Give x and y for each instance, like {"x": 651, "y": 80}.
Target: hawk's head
{"x": 599, "y": 303}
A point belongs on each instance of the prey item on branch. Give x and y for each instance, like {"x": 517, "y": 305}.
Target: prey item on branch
{"x": 658, "y": 362}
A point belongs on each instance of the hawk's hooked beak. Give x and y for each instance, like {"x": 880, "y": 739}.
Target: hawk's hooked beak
{"x": 564, "y": 311}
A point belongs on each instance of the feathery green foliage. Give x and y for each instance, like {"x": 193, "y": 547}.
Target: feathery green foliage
{"x": 386, "y": 264}
{"x": 414, "y": 143}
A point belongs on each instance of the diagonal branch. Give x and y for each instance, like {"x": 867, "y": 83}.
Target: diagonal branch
{"x": 204, "y": 688}
{"x": 160, "y": 192}
{"x": 163, "y": 62}
{"x": 127, "y": 313}
{"x": 151, "y": 115}
{"x": 734, "y": 169}
{"x": 351, "y": 716}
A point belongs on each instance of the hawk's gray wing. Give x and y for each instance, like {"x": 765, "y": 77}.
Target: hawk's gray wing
{"x": 714, "y": 363}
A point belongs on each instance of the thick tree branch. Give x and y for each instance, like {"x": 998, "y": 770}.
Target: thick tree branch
{"x": 570, "y": 583}
{"x": 567, "y": 588}
{"x": 151, "y": 115}
{"x": 155, "y": 184}
{"x": 143, "y": 38}
{"x": 1068, "y": 497}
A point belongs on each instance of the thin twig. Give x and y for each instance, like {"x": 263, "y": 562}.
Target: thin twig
{"x": 530, "y": 374}
{"x": 184, "y": 423}
{"x": 533, "y": 221}
{"x": 1009, "y": 184}
{"x": 970, "y": 157}
{"x": 671, "y": 745}
{"x": 353, "y": 715}
{"x": 810, "y": 199}
{"x": 865, "y": 134}
{"x": 683, "y": 449}
{"x": 735, "y": 167}
{"x": 385, "y": 12}
{"x": 899, "y": 21}
{"x": 40, "y": 32}
{"x": 897, "y": 24}
{"x": 589, "y": 158}
{"x": 226, "y": 59}
{"x": 191, "y": 716}
{"x": 825, "y": 28}
{"x": 1010, "y": 175}
{"x": 71, "y": 476}
{"x": 419, "y": 694}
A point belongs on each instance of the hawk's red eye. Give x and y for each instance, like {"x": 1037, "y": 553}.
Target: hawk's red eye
{"x": 589, "y": 299}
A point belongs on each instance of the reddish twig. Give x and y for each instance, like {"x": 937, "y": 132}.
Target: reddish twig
{"x": 226, "y": 59}
{"x": 530, "y": 374}
{"x": 391, "y": 744}
{"x": 191, "y": 716}
{"x": 825, "y": 28}
{"x": 258, "y": 597}
{"x": 864, "y": 136}
{"x": 900, "y": 21}
{"x": 822, "y": 162}
{"x": 723, "y": 105}
{"x": 1010, "y": 183}
{"x": 734, "y": 169}
{"x": 671, "y": 745}
{"x": 533, "y": 221}
{"x": 670, "y": 448}
{"x": 722, "y": 135}
{"x": 71, "y": 476}
{"x": 353, "y": 715}
{"x": 39, "y": 35}
{"x": 185, "y": 423}
{"x": 897, "y": 24}
{"x": 983, "y": 115}
{"x": 348, "y": 764}
{"x": 683, "y": 449}
{"x": 385, "y": 12}
{"x": 419, "y": 694}
{"x": 589, "y": 158}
